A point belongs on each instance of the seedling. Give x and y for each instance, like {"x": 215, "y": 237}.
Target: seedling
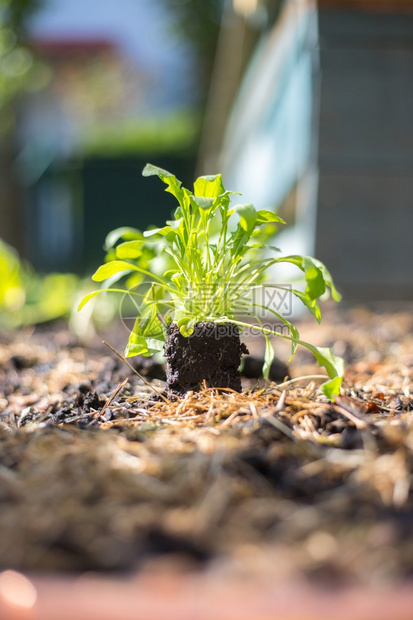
{"x": 215, "y": 267}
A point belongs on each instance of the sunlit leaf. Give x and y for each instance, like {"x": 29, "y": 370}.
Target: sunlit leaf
{"x": 209, "y": 186}
{"x": 202, "y": 202}
{"x": 169, "y": 231}
{"x": 327, "y": 279}
{"x": 174, "y": 185}
{"x": 127, "y": 233}
{"x": 129, "y": 249}
{"x": 269, "y": 355}
{"x": 247, "y": 215}
{"x": 267, "y": 216}
{"x": 314, "y": 279}
{"x": 186, "y": 327}
{"x": 311, "y": 304}
{"x": 110, "y": 269}
{"x": 90, "y": 296}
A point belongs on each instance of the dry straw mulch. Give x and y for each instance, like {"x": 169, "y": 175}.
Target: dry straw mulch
{"x": 98, "y": 473}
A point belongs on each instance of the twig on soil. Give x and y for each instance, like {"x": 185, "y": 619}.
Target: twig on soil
{"x": 281, "y": 402}
{"x": 125, "y": 361}
{"x": 280, "y": 426}
{"x": 253, "y": 410}
{"x": 296, "y": 379}
{"x": 111, "y": 397}
{"x": 349, "y": 412}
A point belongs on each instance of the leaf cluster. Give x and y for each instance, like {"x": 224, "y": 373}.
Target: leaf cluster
{"x": 214, "y": 266}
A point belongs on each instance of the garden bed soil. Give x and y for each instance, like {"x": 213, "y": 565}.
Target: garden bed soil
{"x": 97, "y": 473}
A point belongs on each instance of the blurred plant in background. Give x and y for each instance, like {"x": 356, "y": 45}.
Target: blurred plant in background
{"x": 27, "y": 298}
{"x": 11, "y": 283}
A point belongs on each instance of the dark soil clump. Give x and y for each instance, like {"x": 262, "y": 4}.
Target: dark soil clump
{"x": 211, "y": 355}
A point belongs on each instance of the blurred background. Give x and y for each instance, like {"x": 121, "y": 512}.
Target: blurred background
{"x": 306, "y": 108}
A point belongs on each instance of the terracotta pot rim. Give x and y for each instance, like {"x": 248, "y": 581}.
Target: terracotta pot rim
{"x": 197, "y": 596}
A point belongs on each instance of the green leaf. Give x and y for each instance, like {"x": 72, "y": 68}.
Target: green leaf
{"x": 241, "y": 236}
{"x": 169, "y": 231}
{"x": 327, "y": 279}
{"x": 109, "y": 269}
{"x": 248, "y": 217}
{"x": 209, "y": 186}
{"x": 202, "y": 202}
{"x": 143, "y": 345}
{"x": 315, "y": 284}
{"x": 138, "y": 348}
{"x": 186, "y": 327}
{"x": 333, "y": 364}
{"x": 332, "y": 388}
{"x": 174, "y": 185}
{"x": 267, "y": 216}
{"x": 147, "y": 336}
{"x": 153, "y": 294}
{"x": 325, "y": 357}
{"x": 178, "y": 213}
{"x": 311, "y": 304}
{"x": 129, "y": 249}
{"x": 150, "y": 170}
{"x": 268, "y": 357}
{"x": 181, "y": 318}
{"x": 90, "y": 296}
{"x": 139, "y": 345}
{"x": 165, "y": 230}
{"x": 125, "y": 232}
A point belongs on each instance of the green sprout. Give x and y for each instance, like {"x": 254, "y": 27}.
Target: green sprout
{"x": 214, "y": 269}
